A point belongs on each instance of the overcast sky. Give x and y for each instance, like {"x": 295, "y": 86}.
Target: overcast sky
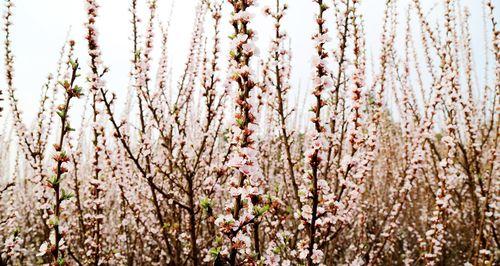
{"x": 40, "y": 28}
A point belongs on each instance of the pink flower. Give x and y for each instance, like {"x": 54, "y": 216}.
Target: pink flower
{"x": 317, "y": 255}
{"x": 321, "y": 38}
{"x": 236, "y": 191}
{"x": 307, "y": 212}
{"x": 43, "y": 249}
{"x": 236, "y": 161}
{"x": 303, "y": 253}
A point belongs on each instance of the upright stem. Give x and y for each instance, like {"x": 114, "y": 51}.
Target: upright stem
{"x": 61, "y": 158}
{"x": 314, "y": 160}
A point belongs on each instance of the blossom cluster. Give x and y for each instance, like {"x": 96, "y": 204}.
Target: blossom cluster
{"x": 385, "y": 155}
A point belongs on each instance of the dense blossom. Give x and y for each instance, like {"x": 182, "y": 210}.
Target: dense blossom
{"x": 384, "y": 155}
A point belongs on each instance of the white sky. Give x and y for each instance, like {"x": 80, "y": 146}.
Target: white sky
{"x": 40, "y": 27}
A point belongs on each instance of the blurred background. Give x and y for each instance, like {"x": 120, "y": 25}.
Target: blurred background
{"x": 41, "y": 27}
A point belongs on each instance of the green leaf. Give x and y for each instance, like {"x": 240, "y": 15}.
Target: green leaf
{"x": 61, "y": 114}
{"x": 277, "y": 250}
{"x": 69, "y": 128}
{"x": 206, "y": 203}
{"x": 65, "y": 195}
{"x": 371, "y": 100}
{"x": 215, "y": 251}
{"x": 439, "y": 136}
{"x": 53, "y": 180}
{"x": 259, "y": 211}
{"x": 73, "y": 64}
{"x": 239, "y": 121}
{"x": 77, "y": 90}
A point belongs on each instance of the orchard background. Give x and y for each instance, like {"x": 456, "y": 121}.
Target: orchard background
{"x": 249, "y": 132}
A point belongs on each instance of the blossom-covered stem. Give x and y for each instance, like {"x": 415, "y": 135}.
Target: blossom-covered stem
{"x": 412, "y": 152}
{"x": 437, "y": 234}
{"x": 209, "y": 81}
{"x": 281, "y": 85}
{"x": 494, "y": 98}
{"x": 210, "y": 78}
{"x": 75, "y": 158}
{"x": 314, "y": 155}
{"x": 142, "y": 69}
{"x": 1, "y": 103}
{"x": 186, "y": 84}
{"x": 7, "y": 249}
{"x": 122, "y": 138}
{"x": 426, "y": 34}
{"x": 491, "y": 94}
{"x": 25, "y": 137}
{"x": 96, "y": 84}
{"x": 61, "y": 157}
{"x": 335, "y": 120}
{"x": 44, "y": 127}
{"x": 355, "y": 133}
{"x": 489, "y": 212}
{"x": 142, "y": 61}
{"x": 246, "y": 183}
{"x": 144, "y": 171}
{"x": 188, "y": 175}
{"x": 162, "y": 74}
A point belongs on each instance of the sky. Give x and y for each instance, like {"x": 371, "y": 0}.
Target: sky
{"x": 40, "y": 29}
